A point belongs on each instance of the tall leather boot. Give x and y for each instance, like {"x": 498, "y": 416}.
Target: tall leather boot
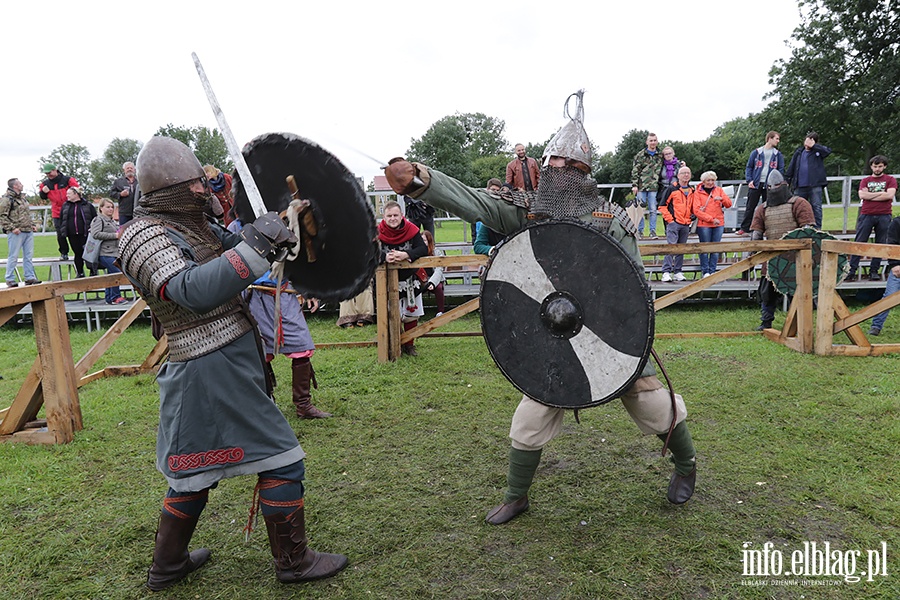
{"x": 301, "y": 375}
{"x": 171, "y": 560}
{"x": 295, "y": 561}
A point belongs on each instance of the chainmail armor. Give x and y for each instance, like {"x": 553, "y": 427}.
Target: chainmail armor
{"x": 564, "y": 192}
{"x": 151, "y": 258}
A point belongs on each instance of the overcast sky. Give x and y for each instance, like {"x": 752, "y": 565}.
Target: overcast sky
{"x": 371, "y": 76}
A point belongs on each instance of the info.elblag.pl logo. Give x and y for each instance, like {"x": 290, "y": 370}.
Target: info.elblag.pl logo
{"x": 814, "y": 559}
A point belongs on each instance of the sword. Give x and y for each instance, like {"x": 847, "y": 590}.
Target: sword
{"x": 253, "y": 195}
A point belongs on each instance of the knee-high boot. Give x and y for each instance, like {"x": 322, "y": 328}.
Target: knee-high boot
{"x": 301, "y": 375}
{"x": 681, "y": 485}
{"x": 295, "y": 561}
{"x": 171, "y": 560}
{"x": 522, "y": 466}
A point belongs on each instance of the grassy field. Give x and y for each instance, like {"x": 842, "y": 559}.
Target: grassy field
{"x": 792, "y": 448}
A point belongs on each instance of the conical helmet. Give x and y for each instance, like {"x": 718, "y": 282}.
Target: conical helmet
{"x": 572, "y": 140}
{"x": 164, "y": 162}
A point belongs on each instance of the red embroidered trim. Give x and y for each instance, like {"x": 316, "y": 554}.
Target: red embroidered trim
{"x": 238, "y": 263}
{"x": 197, "y": 460}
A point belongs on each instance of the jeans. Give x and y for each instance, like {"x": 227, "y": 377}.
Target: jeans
{"x": 709, "y": 261}
{"x": 865, "y": 224}
{"x": 650, "y": 199}
{"x": 108, "y": 263}
{"x": 676, "y": 233}
{"x": 893, "y": 286}
{"x": 23, "y": 241}
{"x": 814, "y": 195}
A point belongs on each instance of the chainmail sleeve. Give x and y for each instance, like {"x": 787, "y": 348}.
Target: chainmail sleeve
{"x": 148, "y": 256}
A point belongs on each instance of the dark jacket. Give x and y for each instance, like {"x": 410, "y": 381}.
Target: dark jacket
{"x": 126, "y": 204}
{"x": 893, "y": 237}
{"x": 815, "y": 162}
{"x": 753, "y": 170}
{"x": 75, "y": 218}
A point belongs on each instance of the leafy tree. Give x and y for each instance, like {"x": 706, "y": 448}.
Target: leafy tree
{"x": 841, "y": 80}
{"x": 453, "y": 143}
{"x": 108, "y": 167}
{"x": 73, "y": 160}
{"x": 623, "y": 158}
{"x": 485, "y": 167}
{"x": 207, "y": 144}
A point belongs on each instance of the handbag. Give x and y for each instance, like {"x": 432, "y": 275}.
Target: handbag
{"x": 91, "y": 252}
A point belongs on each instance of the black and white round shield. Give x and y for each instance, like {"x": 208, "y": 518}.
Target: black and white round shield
{"x": 566, "y": 314}
{"x": 345, "y": 246}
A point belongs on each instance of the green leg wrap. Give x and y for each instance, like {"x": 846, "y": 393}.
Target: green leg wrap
{"x": 682, "y": 448}
{"x": 522, "y": 465}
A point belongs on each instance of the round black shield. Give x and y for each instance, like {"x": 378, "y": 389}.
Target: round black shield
{"x": 566, "y": 314}
{"x": 346, "y": 250}
{"x": 782, "y": 270}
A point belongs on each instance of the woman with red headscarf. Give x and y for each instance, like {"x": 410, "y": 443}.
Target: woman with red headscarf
{"x": 401, "y": 242}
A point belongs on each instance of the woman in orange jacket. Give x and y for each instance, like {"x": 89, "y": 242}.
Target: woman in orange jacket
{"x": 707, "y": 203}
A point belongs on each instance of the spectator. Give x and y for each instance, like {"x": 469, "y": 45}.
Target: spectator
{"x": 707, "y": 203}
{"x": 401, "y": 243}
{"x": 893, "y": 278}
{"x": 762, "y": 160}
{"x": 780, "y": 214}
{"x": 877, "y": 192}
{"x": 435, "y": 283}
{"x": 220, "y": 186}
{"x": 105, "y": 229}
{"x": 807, "y": 173}
{"x": 126, "y": 192}
{"x": 676, "y": 212}
{"x": 359, "y": 310}
{"x": 75, "y": 219}
{"x": 485, "y": 237}
{"x": 54, "y": 188}
{"x": 16, "y": 222}
{"x": 522, "y": 172}
{"x": 669, "y": 174}
{"x": 645, "y": 173}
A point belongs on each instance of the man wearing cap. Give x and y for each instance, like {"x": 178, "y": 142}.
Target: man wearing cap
{"x": 54, "y": 188}
{"x": 562, "y": 194}
{"x": 125, "y": 192}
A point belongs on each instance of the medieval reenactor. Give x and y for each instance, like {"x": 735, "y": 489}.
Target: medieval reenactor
{"x": 217, "y": 418}
{"x": 543, "y": 310}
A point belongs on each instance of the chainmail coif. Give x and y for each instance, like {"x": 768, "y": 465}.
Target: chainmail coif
{"x": 184, "y": 210}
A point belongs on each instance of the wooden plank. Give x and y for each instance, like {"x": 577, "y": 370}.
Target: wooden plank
{"x": 465, "y": 260}
{"x": 855, "y": 334}
{"x": 107, "y": 339}
{"x": 873, "y": 350}
{"x": 101, "y": 374}
{"x": 867, "y": 313}
{"x": 27, "y": 403}
{"x": 711, "y": 334}
{"x": 888, "y": 251}
{"x": 157, "y": 354}
{"x": 31, "y": 436}
{"x": 381, "y": 317}
{"x": 57, "y": 368}
{"x": 443, "y": 334}
{"x": 347, "y": 344}
{"x": 447, "y": 317}
{"x": 8, "y": 312}
{"x": 792, "y": 343}
{"x": 777, "y": 246}
{"x": 702, "y": 284}
{"x": 789, "y": 329}
{"x": 803, "y": 301}
{"x": 825, "y": 305}
{"x": 392, "y": 307}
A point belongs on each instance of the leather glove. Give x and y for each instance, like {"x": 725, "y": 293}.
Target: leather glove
{"x": 406, "y": 178}
{"x": 269, "y": 237}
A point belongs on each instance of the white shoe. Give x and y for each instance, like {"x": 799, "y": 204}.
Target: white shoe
{"x": 438, "y": 314}
{"x": 706, "y": 275}
{"x": 667, "y": 277}
{"x": 680, "y": 276}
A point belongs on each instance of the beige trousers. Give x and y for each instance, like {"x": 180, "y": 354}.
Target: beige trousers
{"x": 647, "y": 402}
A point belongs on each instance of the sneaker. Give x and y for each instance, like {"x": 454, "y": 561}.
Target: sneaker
{"x": 740, "y": 232}
{"x": 666, "y": 277}
{"x": 119, "y": 300}
{"x": 705, "y": 275}
{"x": 11, "y": 284}
{"x": 654, "y": 237}
{"x": 32, "y": 281}
{"x": 63, "y": 257}
{"x": 437, "y": 314}
{"x": 680, "y": 276}
{"x": 874, "y": 276}
{"x": 874, "y": 331}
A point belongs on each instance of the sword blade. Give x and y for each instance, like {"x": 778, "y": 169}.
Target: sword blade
{"x": 234, "y": 151}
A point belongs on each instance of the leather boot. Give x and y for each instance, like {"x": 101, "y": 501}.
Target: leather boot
{"x": 301, "y": 375}
{"x": 295, "y": 561}
{"x": 171, "y": 560}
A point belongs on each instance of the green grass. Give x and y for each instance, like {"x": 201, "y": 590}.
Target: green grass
{"x": 791, "y": 448}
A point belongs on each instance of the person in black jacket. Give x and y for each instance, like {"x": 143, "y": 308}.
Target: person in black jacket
{"x": 125, "y": 192}
{"x": 807, "y": 173}
{"x": 74, "y": 223}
